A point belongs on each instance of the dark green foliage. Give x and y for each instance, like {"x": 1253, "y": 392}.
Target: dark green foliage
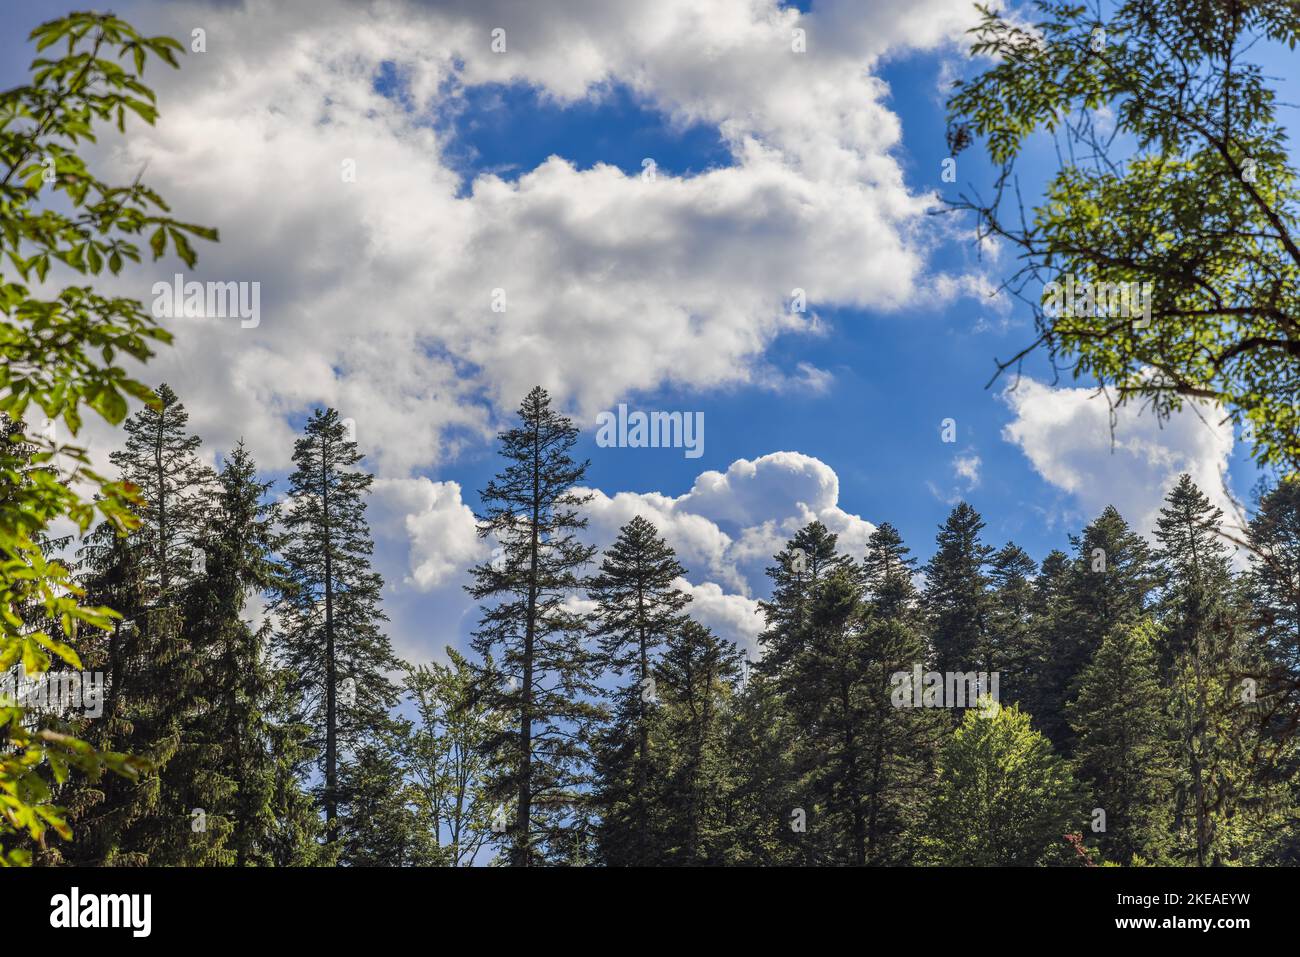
{"x": 333, "y": 641}
{"x": 637, "y": 609}
{"x": 1275, "y": 572}
{"x": 1011, "y": 621}
{"x": 806, "y": 558}
{"x": 1165, "y": 678}
{"x": 1124, "y": 752}
{"x": 957, "y": 596}
{"x": 383, "y": 823}
{"x": 537, "y": 670}
{"x": 697, "y": 681}
{"x": 1104, "y": 588}
{"x": 159, "y": 685}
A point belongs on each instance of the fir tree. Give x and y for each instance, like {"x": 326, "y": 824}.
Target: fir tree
{"x": 235, "y": 737}
{"x": 161, "y": 459}
{"x": 1011, "y": 574}
{"x": 808, "y": 556}
{"x": 333, "y": 626}
{"x": 829, "y": 700}
{"x": 1275, "y": 572}
{"x": 697, "y": 681}
{"x": 1104, "y": 588}
{"x": 1123, "y": 751}
{"x": 900, "y": 742}
{"x": 780, "y": 685}
{"x": 957, "y": 593}
{"x": 637, "y": 608}
{"x": 1205, "y": 654}
{"x": 764, "y": 802}
{"x": 536, "y": 669}
{"x": 158, "y": 694}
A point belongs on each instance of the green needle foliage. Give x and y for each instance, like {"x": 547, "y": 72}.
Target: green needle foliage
{"x": 333, "y": 641}
{"x": 536, "y": 667}
{"x": 638, "y": 608}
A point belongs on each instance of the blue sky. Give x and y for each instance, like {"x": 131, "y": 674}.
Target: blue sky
{"x": 367, "y": 296}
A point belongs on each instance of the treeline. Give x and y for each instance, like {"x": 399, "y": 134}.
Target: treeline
{"x": 1146, "y": 705}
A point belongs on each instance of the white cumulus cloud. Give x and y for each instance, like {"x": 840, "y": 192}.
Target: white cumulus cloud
{"x": 1066, "y": 435}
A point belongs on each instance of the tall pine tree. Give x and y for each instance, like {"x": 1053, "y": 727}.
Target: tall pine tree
{"x": 536, "y": 668}
{"x": 637, "y": 608}
{"x": 957, "y": 593}
{"x": 333, "y": 637}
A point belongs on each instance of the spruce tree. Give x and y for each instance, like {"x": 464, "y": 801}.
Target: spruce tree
{"x": 1273, "y": 587}
{"x": 637, "y": 608}
{"x": 764, "y": 802}
{"x": 1275, "y": 572}
{"x": 113, "y": 815}
{"x": 770, "y": 732}
{"x": 536, "y": 668}
{"x": 808, "y": 556}
{"x": 697, "y": 678}
{"x": 957, "y": 593}
{"x": 1046, "y": 606}
{"x": 1193, "y": 560}
{"x": 900, "y": 742}
{"x": 333, "y": 638}
{"x": 829, "y": 698}
{"x": 888, "y": 569}
{"x": 1123, "y": 752}
{"x": 1206, "y": 655}
{"x": 1011, "y": 574}
{"x": 161, "y": 459}
{"x": 236, "y": 734}
{"x": 1105, "y": 587}
{"x": 159, "y": 686}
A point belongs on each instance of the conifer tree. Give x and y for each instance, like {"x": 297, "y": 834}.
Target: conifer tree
{"x": 158, "y": 693}
{"x": 1273, "y": 587}
{"x": 767, "y": 812}
{"x": 1123, "y": 752}
{"x": 957, "y": 593}
{"x": 333, "y": 638}
{"x": 829, "y": 699}
{"x": 160, "y": 457}
{"x": 1206, "y": 655}
{"x": 1011, "y": 572}
{"x": 637, "y": 608}
{"x": 769, "y": 733}
{"x": 384, "y": 824}
{"x": 808, "y": 556}
{"x": 901, "y": 742}
{"x": 113, "y": 814}
{"x": 536, "y": 668}
{"x": 295, "y": 840}
{"x": 1106, "y": 586}
{"x": 888, "y": 569}
{"x": 235, "y": 736}
{"x": 697, "y": 683}
{"x": 1275, "y": 572}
